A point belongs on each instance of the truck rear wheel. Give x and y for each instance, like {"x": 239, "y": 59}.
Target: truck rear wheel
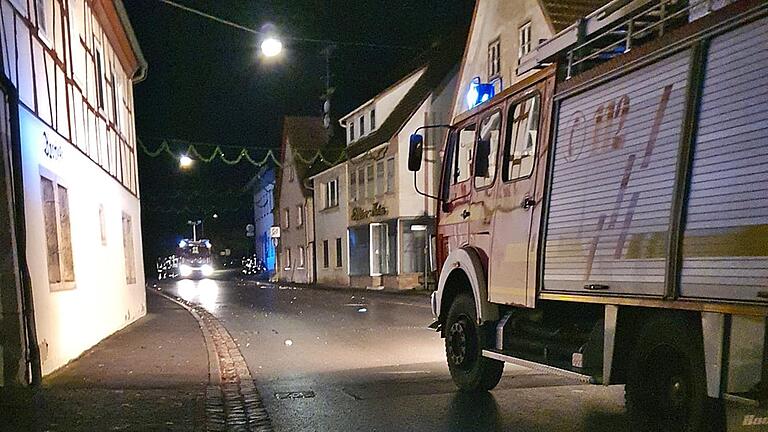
{"x": 464, "y": 342}
{"x": 666, "y": 383}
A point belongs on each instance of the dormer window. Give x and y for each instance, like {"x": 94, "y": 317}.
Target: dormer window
{"x": 351, "y": 131}
{"x": 362, "y": 125}
{"x": 373, "y": 119}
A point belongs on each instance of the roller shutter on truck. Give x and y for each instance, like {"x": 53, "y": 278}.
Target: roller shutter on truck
{"x": 725, "y": 242}
{"x": 613, "y": 177}
{"x": 613, "y": 180}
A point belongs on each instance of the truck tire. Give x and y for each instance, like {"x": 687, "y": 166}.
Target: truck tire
{"x": 464, "y": 341}
{"x": 666, "y": 383}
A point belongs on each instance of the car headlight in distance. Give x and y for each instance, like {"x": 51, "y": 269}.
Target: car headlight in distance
{"x": 185, "y": 270}
{"x": 207, "y": 269}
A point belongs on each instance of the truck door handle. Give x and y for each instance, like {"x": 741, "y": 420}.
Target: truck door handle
{"x": 465, "y": 214}
{"x": 527, "y": 203}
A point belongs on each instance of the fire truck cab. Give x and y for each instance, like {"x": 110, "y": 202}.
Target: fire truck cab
{"x": 606, "y": 217}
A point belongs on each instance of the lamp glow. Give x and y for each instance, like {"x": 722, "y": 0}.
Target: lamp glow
{"x": 185, "y": 161}
{"x": 271, "y": 47}
{"x": 207, "y": 270}
{"x": 185, "y": 270}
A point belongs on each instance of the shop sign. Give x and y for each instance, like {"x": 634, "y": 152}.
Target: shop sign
{"x": 375, "y": 210}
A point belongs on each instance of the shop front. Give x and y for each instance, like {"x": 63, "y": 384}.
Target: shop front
{"x": 388, "y": 252}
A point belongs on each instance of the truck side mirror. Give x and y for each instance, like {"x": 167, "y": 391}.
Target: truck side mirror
{"x": 415, "y": 152}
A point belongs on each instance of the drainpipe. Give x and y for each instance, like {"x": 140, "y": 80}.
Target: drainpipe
{"x": 27, "y": 304}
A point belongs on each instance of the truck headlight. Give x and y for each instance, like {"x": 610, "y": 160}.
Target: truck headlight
{"x": 185, "y": 270}
{"x": 206, "y": 269}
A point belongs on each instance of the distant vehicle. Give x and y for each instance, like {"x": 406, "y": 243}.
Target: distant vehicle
{"x": 167, "y": 267}
{"x": 253, "y": 265}
{"x": 194, "y": 258}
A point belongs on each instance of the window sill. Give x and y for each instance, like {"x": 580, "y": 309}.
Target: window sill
{"x": 62, "y": 286}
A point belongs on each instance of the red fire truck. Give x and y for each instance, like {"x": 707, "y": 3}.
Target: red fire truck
{"x": 606, "y": 218}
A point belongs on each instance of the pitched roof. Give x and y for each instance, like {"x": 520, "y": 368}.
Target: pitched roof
{"x": 562, "y": 13}
{"x": 441, "y": 63}
{"x": 307, "y": 137}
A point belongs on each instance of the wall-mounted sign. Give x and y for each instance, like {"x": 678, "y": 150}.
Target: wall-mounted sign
{"x": 52, "y": 150}
{"x": 375, "y": 210}
{"x": 274, "y": 232}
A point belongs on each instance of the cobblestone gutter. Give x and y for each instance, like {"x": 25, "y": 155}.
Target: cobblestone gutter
{"x": 232, "y": 402}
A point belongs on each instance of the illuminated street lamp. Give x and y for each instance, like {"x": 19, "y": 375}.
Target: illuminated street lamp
{"x": 271, "y": 47}
{"x": 185, "y": 161}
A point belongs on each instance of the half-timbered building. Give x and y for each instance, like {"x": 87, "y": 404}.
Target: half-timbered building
{"x": 69, "y": 147}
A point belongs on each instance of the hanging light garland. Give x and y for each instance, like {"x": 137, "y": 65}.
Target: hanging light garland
{"x": 243, "y": 155}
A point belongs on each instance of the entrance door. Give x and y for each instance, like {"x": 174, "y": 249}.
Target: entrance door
{"x": 510, "y": 281}
{"x": 379, "y": 249}
{"x": 456, "y": 188}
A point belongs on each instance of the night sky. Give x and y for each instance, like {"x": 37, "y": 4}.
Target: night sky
{"x": 207, "y": 84}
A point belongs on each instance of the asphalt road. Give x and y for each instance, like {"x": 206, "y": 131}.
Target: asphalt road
{"x": 371, "y": 364}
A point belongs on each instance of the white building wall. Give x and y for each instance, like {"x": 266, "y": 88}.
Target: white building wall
{"x": 434, "y": 110}
{"x": 101, "y": 301}
{"x": 69, "y": 137}
{"x": 499, "y": 19}
{"x": 331, "y": 224}
{"x": 384, "y": 104}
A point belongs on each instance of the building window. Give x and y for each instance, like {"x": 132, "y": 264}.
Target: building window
{"x": 291, "y": 174}
{"x": 58, "y": 235}
{"x": 287, "y": 259}
{"x": 332, "y": 193}
{"x": 380, "y": 177}
{"x": 299, "y": 215}
{"x": 390, "y": 175}
{"x": 361, "y": 191}
{"x": 352, "y": 130}
{"x": 370, "y": 186}
{"x": 115, "y": 106}
{"x": 373, "y": 119}
{"x": 353, "y": 186}
{"x": 326, "y": 258}
{"x": 338, "y": 252}
{"x": 102, "y": 225}
{"x": 286, "y": 218}
{"x": 130, "y": 255}
{"x": 494, "y": 59}
{"x": 301, "y": 257}
{"x": 44, "y": 18}
{"x": 525, "y": 40}
{"x": 362, "y": 125}
{"x": 99, "y": 78}
{"x": 414, "y": 247}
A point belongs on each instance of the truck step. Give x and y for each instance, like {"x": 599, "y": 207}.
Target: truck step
{"x": 565, "y": 371}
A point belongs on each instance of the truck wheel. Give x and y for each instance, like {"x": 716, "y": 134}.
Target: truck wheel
{"x": 464, "y": 341}
{"x": 666, "y": 383}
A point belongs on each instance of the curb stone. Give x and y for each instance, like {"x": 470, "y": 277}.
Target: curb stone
{"x": 232, "y": 402}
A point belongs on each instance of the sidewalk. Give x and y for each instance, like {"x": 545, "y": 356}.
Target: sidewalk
{"x": 151, "y": 376}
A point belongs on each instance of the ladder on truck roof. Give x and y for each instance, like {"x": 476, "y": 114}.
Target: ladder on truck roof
{"x": 610, "y": 31}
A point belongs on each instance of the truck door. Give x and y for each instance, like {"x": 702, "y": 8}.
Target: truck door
{"x": 510, "y": 281}
{"x": 456, "y": 188}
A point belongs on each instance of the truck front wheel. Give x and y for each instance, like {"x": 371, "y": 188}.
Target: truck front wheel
{"x": 666, "y": 383}
{"x": 464, "y": 342}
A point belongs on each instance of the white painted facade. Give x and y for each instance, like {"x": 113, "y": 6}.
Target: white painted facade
{"x": 331, "y": 205}
{"x": 74, "y": 63}
{"x": 383, "y": 204}
{"x": 381, "y": 107}
{"x": 499, "y": 21}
